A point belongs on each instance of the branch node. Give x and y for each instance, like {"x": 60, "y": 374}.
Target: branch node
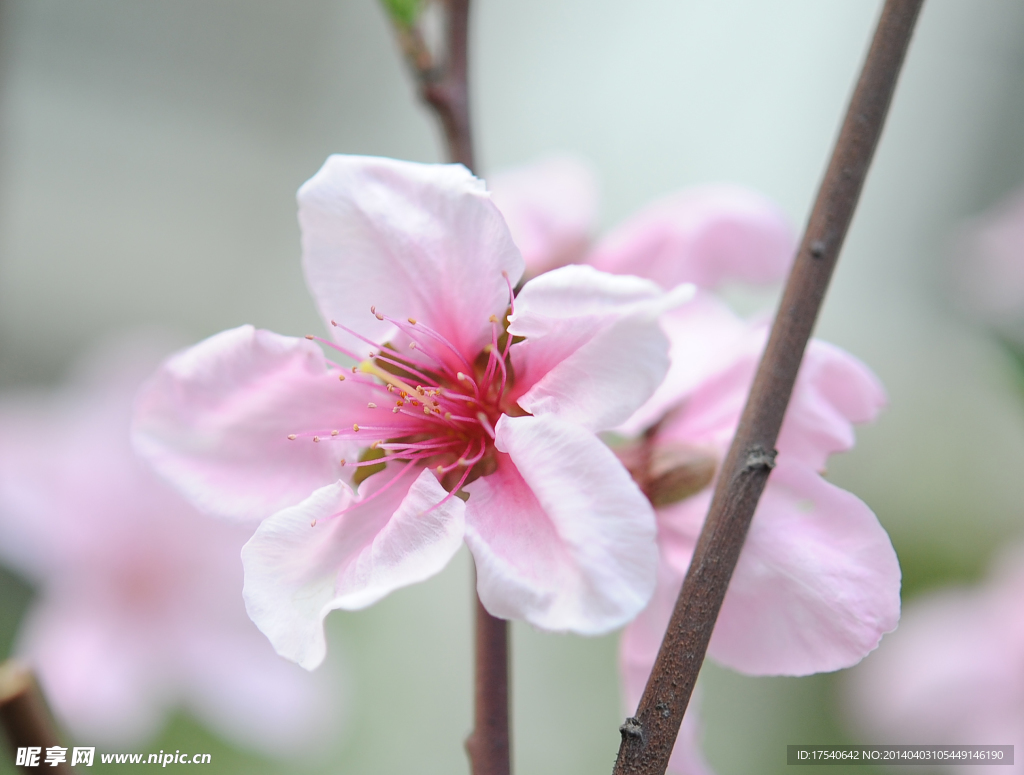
{"x": 760, "y": 459}
{"x": 632, "y": 728}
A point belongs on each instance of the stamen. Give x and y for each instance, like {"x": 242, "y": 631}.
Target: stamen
{"x": 292, "y": 437}
{"x": 371, "y": 405}
{"x": 486, "y": 423}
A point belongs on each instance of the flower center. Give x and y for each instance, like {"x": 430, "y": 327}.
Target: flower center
{"x": 434, "y": 406}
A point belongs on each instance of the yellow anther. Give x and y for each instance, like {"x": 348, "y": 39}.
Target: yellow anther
{"x": 493, "y": 319}
{"x": 395, "y": 410}
{"x": 426, "y": 410}
{"x": 461, "y": 376}
{"x": 399, "y": 403}
{"x": 440, "y": 469}
{"x": 313, "y": 523}
{"x": 292, "y": 437}
{"x": 369, "y": 367}
{"x": 376, "y": 444}
{"x": 447, "y": 415}
{"x": 334, "y": 433}
{"x": 341, "y": 377}
{"x": 371, "y": 405}
{"x": 316, "y": 438}
{"x": 342, "y": 462}
{"x": 309, "y": 336}
{"x": 419, "y": 389}
{"x": 355, "y": 427}
{"x": 412, "y": 320}
{"x": 378, "y": 316}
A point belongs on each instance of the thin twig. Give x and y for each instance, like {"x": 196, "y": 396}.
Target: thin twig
{"x": 24, "y": 716}
{"x": 444, "y": 81}
{"x": 444, "y": 87}
{"x": 648, "y": 739}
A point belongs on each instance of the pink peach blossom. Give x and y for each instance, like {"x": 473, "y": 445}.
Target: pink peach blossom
{"x": 454, "y": 385}
{"x": 138, "y": 608}
{"x": 953, "y": 674}
{"x": 817, "y": 583}
{"x": 703, "y": 235}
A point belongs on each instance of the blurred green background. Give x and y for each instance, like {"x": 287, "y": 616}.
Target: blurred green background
{"x": 149, "y": 156}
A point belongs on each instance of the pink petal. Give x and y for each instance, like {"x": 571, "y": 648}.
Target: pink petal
{"x": 414, "y": 240}
{"x": 296, "y": 573}
{"x": 242, "y": 689}
{"x": 703, "y": 235}
{"x": 215, "y": 421}
{"x": 550, "y": 207}
{"x": 833, "y": 390}
{"x": 594, "y": 351}
{"x": 704, "y": 336}
{"x": 98, "y": 680}
{"x": 561, "y": 535}
{"x": 817, "y": 583}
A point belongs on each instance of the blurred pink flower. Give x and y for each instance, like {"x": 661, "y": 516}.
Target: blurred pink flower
{"x": 953, "y": 674}
{"x": 138, "y": 608}
{"x": 988, "y": 273}
{"x": 818, "y": 582}
{"x": 446, "y": 393}
{"x": 703, "y": 235}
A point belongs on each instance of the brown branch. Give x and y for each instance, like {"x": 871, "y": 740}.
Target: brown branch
{"x": 648, "y": 739}
{"x": 23, "y": 714}
{"x": 488, "y": 745}
{"x": 444, "y": 87}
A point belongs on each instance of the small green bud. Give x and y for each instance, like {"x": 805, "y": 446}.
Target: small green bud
{"x": 403, "y": 12}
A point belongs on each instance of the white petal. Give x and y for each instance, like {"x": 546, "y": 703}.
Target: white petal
{"x": 296, "y": 573}
{"x": 215, "y": 421}
{"x": 594, "y": 351}
{"x": 414, "y": 240}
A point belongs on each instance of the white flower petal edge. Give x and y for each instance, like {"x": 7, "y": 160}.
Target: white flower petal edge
{"x": 215, "y": 418}
{"x": 296, "y": 573}
{"x": 414, "y": 240}
{"x": 561, "y": 535}
{"x": 594, "y": 349}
